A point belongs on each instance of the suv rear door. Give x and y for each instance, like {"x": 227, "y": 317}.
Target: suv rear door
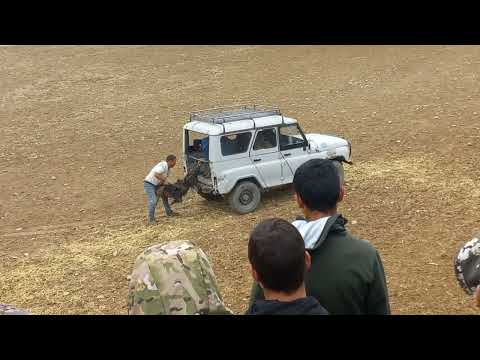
{"x": 266, "y": 157}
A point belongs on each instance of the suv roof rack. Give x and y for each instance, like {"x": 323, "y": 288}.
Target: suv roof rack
{"x": 233, "y": 113}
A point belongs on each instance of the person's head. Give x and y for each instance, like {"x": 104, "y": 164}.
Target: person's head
{"x": 277, "y": 255}
{"x": 318, "y": 186}
{"x": 171, "y": 160}
{"x": 174, "y": 278}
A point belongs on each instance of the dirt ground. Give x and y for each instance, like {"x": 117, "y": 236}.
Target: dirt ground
{"x": 82, "y": 125}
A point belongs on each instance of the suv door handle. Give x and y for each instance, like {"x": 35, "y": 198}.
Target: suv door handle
{"x": 255, "y": 160}
{"x": 288, "y": 154}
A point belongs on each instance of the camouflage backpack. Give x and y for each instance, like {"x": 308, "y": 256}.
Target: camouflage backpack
{"x": 467, "y": 265}
{"x": 174, "y": 278}
{"x": 11, "y": 310}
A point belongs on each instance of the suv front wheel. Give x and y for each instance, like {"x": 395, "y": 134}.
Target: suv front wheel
{"x": 245, "y": 197}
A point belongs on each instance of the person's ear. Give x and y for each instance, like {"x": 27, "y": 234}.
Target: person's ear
{"x": 254, "y": 273}
{"x": 341, "y": 194}
{"x": 308, "y": 261}
{"x": 256, "y": 277}
{"x": 299, "y": 201}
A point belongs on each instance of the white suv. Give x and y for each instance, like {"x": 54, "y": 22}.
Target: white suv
{"x": 243, "y": 151}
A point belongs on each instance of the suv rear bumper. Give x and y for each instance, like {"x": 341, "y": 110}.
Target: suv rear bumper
{"x": 205, "y": 185}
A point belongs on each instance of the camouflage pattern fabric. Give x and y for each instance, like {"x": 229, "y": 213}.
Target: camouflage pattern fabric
{"x": 467, "y": 266}
{"x": 174, "y": 278}
{"x": 11, "y": 310}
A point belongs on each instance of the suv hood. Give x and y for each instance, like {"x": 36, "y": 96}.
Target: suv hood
{"x": 320, "y": 142}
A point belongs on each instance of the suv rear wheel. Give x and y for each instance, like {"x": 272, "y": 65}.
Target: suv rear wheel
{"x": 245, "y": 197}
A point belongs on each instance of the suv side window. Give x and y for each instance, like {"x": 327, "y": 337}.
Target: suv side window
{"x": 232, "y": 144}
{"x": 266, "y": 139}
{"x": 291, "y": 137}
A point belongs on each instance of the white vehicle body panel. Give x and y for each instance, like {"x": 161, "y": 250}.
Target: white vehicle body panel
{"x": 268, "y": 167}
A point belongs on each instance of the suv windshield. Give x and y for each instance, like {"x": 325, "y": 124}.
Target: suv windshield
{"x": 291, "y": 137}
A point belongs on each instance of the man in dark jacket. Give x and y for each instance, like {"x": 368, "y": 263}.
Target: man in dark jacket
{"x": 346, "y": 274}
{"x": 277, "y": 255}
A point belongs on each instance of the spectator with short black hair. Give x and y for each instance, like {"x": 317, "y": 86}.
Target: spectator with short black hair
{"x": 278, "y": 260}
{"x": 346, "y": 274}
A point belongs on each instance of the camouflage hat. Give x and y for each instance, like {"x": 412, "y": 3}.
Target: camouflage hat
{"x": 174, "y": 278}
{"x": 11, "y": 310}
{"x": 467, "y": 265}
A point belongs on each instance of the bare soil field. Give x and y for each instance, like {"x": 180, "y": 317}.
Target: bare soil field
{"x": 82, "y": 125}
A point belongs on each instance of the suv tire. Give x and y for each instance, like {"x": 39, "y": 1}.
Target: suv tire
{"x": 245, "y": 197}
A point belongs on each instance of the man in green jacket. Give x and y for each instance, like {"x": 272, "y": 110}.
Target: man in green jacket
{"x": 346, "y": 274}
